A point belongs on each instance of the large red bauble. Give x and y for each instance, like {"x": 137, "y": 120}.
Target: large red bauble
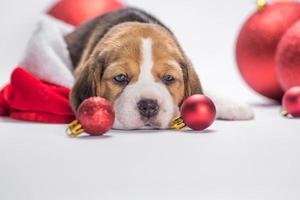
{"x": 96, "y": 115}
{"x": 291, "y": 101}
{"x": 288, "y": 58}
{"x": 198, "y": 112}
{"x": 76, "y": 12}
{"x": 257, "y": 43}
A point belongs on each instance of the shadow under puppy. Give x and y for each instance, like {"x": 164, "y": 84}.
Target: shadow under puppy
{"x": 134, "y": 61}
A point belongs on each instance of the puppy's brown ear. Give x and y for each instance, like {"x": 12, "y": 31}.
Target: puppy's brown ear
{"x": 191, "y": 80}
{"x": 87, "y": 83}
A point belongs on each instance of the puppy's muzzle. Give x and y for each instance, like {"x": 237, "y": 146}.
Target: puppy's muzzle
{"x": 148, "y": 108}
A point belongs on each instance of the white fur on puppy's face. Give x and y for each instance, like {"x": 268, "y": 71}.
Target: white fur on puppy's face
{"x": 127, "y": 114}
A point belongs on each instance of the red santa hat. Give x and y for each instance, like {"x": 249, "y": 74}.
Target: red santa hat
{"x": 40, "y": 86}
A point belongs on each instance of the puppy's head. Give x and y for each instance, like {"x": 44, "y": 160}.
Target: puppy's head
{"x": 142, "y": 70}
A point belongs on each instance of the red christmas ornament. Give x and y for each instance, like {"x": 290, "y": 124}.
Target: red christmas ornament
{"x": 291, "y": 102}
{"x": 77, "y": 12}
{"x": 198, "y": 112}
{"x": 288, "y": 58}
{"x": 95, "y": 116}
{"x": 257, "y": 43}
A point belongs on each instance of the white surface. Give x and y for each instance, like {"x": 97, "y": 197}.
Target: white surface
{"x": 256, "y": 159}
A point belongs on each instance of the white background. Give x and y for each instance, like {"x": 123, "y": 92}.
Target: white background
{"x": 256, "y": 159}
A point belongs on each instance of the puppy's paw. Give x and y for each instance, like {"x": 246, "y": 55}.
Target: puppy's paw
{"x": 229, "y": 110}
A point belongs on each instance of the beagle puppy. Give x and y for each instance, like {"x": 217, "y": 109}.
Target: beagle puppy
{"x": 135, "y": 61}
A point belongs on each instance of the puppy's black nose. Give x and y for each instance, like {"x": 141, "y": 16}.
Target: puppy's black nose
{"x": 148, "y": 107}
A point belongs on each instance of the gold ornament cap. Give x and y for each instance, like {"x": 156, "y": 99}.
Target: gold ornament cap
{"x": 285, "y": 113}
{"x": 178, "y": 123}
{"x": 261, "y": 4}
{"x": 74, "y": 129}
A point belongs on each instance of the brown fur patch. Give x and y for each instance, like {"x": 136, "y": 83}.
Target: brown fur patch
{"x": 176, "y": 89}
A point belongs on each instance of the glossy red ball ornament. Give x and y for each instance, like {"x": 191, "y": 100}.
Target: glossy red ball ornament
{"x": 76, "y": 12}
{"x": 257, "y": 43}
{"x": 96, "y": 115}
{"x": 198, "y": 112}
{"x": 291, "y": 101}
{"x": 288, "y": 58}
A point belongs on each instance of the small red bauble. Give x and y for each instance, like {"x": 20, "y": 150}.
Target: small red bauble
{"x": 77, "y": 12}
{"x": 257, "y": 43}
{"x": 198, "y": 112}
{"x": 288, "y": 58}
{"x": 291, "y": 101}
{"x": 96, "y": 115}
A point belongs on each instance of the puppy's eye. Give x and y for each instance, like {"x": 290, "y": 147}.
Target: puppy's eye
{"x": 168, "y": 79}
{"x": 121, "y": 79}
